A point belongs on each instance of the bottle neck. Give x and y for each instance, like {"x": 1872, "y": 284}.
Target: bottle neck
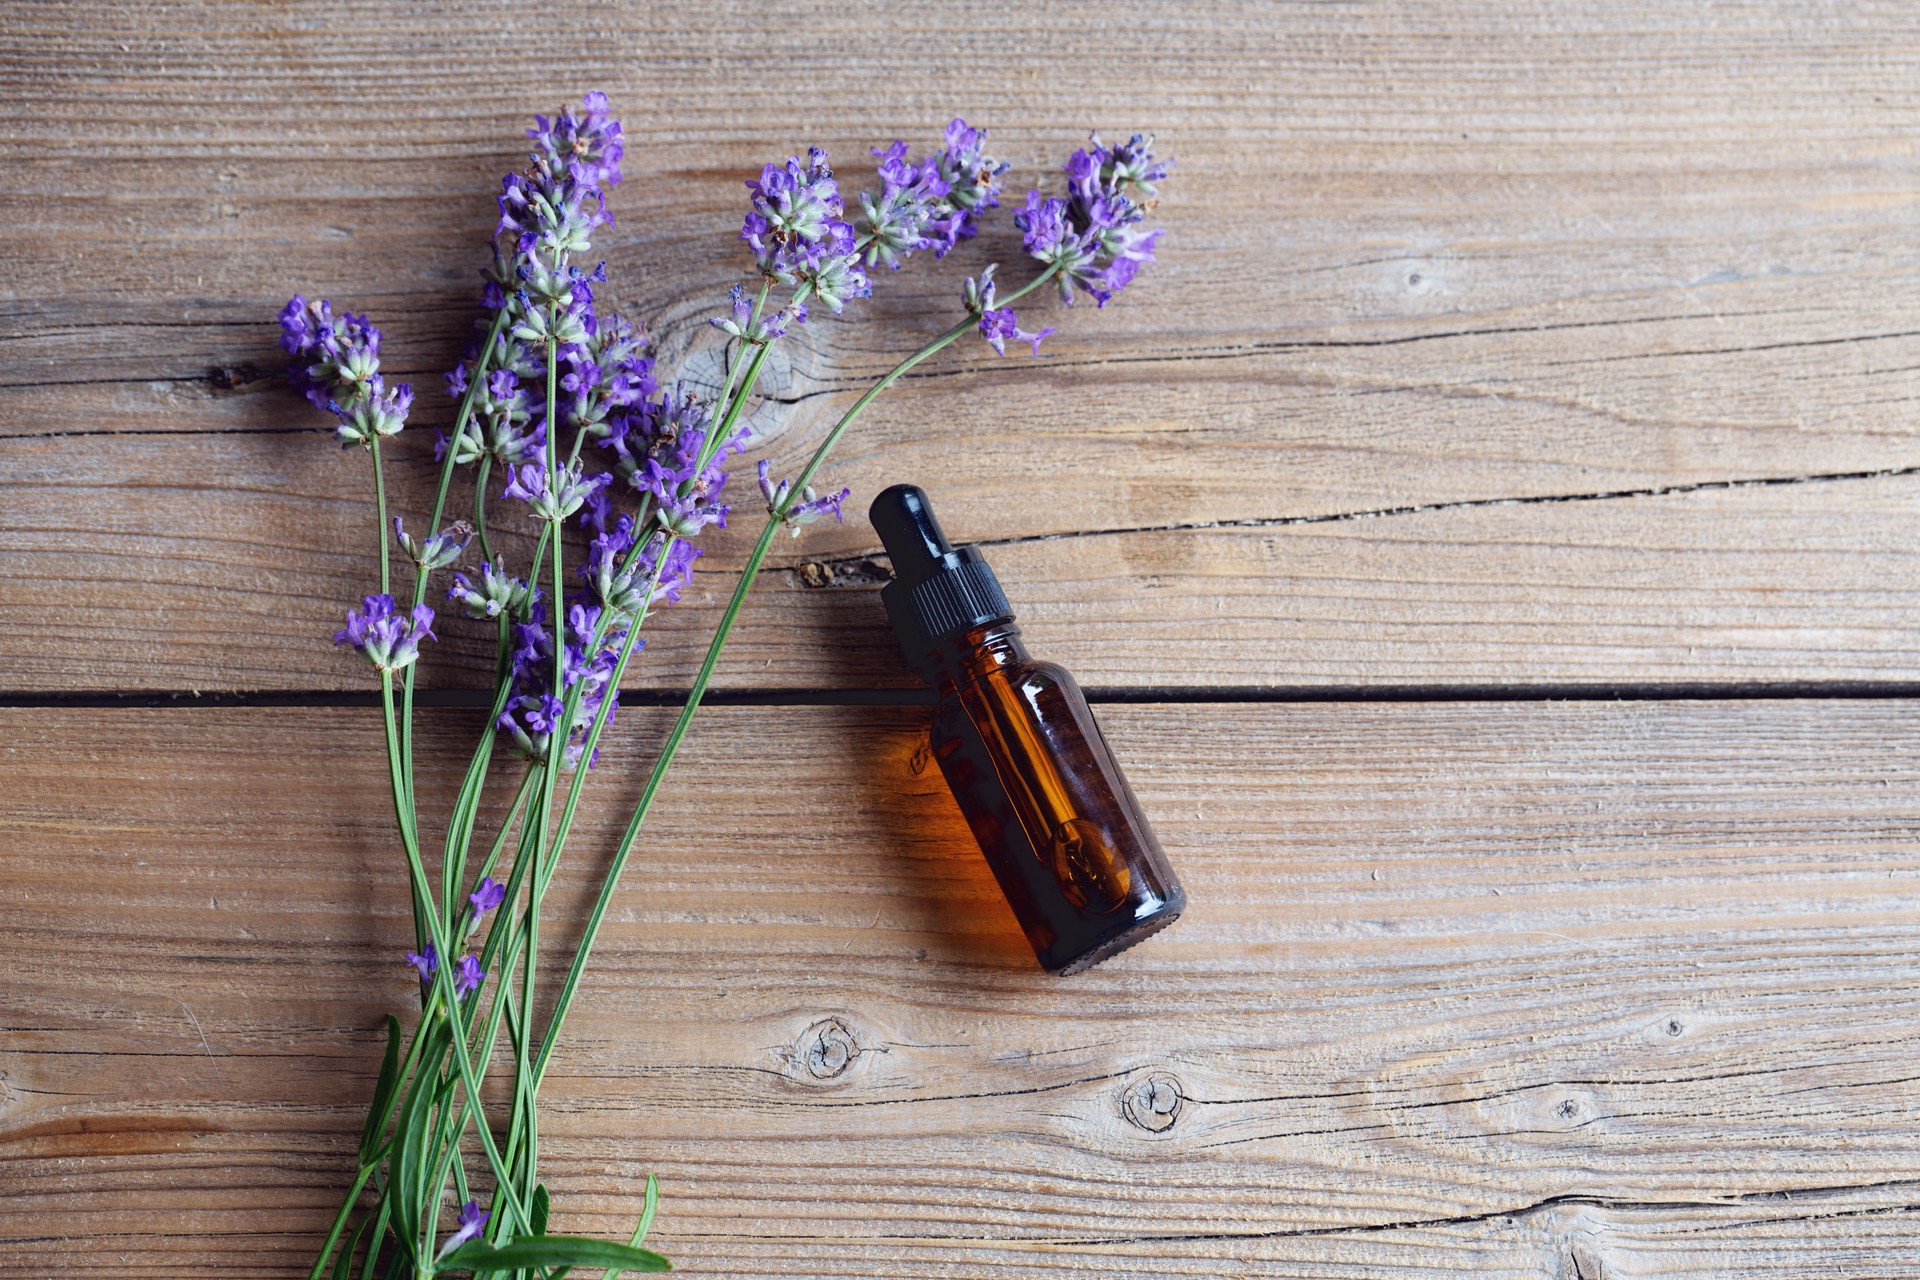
{"x": 959, "y": 660}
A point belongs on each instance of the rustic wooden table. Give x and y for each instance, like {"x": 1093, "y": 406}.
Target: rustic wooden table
{"x": 1490, "y": 532}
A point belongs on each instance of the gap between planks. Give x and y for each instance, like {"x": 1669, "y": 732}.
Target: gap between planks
{"x": 1165, "y": 695}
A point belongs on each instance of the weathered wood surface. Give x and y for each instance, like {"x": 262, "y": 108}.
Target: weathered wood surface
{"x": 1416, "y": 258}
{"x": 1564, "y": 989}
{"x": 1513, "y": 348}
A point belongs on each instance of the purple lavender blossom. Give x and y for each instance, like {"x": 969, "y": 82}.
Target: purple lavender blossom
{"x": 1132, "y": 163}
{"x": 426, "y": 964}
{"x": 795, "y": 510}
{"x": 586, "y": 147}
{"x": 503, "y": 406}
{"x": 567, "y": 494}
{"x": 997, "y": 325}
{"x": 837, "y": 278}
{"x": 1052, "y": 239}
{"x": 973, "y": 184}
{"x": 492, "y": 594}
{"x": 467, "y": 975}
{"x": 473, "y": 1219}
{"x": 332, "y": 359}
{"x": 793, "y": 206}
{"x": 796, "y": 233}
{"x": 387, "y": 636}
{"x": 1094, "y": 235}
{"x": 685, "y": 493}
{"x": 302, "y": 323}
{"x": 767, "y": 328}
{"x": 557, "y": 316}
{"x": 436, "y": 551}
{"x": 336, "y": 365}
{"x": 911, "y": 197}
{"x": 608, "y": 372}
{"x": 654, "y": 427}
{"x": 489, "y": 895}
{"x": 618, "y": 576}
{"x": 547, "y": 217}
{"x": 373, "y": 411}
{"x": 534, "y": 710}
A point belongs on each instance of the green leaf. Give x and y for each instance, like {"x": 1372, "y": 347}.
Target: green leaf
{"x": 554, "y": 1251}
{"x": 410, "y": 1158}
{"x": 538, "y": 1210}
{"x": 379, "y": 1233}
{"x": 647, "y": 1211}
{"x": 382, "y": 1093}
{"x": 343, "y": 1267}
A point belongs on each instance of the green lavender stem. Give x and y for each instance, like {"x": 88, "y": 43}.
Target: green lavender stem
{"x": 346, "y": 1209}
{"x": 380, "y": 508}
{"x": 405, "y": 1071}
{"x": 526, "y": 1119}
{"x": 447, "y": 464}
{"x": 460, "y": 422}
{"x": 423, "y": 904}
{"x": 481, "y": 475}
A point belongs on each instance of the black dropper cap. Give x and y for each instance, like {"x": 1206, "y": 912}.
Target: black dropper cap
{"x": 938, "y": 590}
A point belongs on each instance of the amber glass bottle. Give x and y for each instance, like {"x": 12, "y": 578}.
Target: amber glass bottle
{"x": 1023, "y": 754}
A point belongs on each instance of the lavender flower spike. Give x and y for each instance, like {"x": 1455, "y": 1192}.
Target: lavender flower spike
{"x": 389, "y": 638}
{"x": 493, "y": 595}
{"x": 374, "y": 412}
{"x": 467, "y": 976}
{"x": 686, "y": 496}
{"x": 911, "y": 196}
{"x": 586, "y": 147}
{"x": 973, "y": 184}
{"x": 801, "y": 509}
{"x": 333, "y": 359}
{"x": 997, "y": 325}
{"x": 1094, "y": 235}
{"x": 796, "y": 232}
{"x": 427, "y": 965}
{"x": 437, "y": 551}
{"x": 489, "y": 895}
{"x": 568, "y": 494}
{"x": 620, "y": 581}
{"x": 472, "y": 1220}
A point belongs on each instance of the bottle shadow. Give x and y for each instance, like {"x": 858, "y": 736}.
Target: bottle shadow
{"x": 946, "y": 896}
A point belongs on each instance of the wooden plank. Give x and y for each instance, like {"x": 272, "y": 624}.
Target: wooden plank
{"x": 181, "y": 584}
{"x": 1429, "y": 257}
{"x": 1570, "y": 989}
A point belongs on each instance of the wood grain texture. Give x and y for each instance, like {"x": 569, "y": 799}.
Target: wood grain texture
{"x": 1417, "y": 257}
{"x": 1760, "y": 582}
{"x": 1492, "y": 346}
{"x": 1559, "y": 989}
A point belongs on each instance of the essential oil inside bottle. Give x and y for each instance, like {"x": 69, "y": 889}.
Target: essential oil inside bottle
{"x": 1023, "y": 754}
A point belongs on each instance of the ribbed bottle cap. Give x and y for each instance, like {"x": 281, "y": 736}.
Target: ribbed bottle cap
{"x": 938, "y": 590}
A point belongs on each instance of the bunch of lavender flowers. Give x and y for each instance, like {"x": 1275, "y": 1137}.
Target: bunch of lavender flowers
{"x": 1094, "y": 235}
{"x": 550, "y": 374}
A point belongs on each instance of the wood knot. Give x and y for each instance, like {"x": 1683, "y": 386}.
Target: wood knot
{"x": 827, "y": 1049}
{"x": 232, "y": 377}
{"x": 1153, "y": 1102}
{"x": 858, "y": 571}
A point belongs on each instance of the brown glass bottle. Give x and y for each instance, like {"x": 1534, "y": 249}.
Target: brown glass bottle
{"x": 1023, "y": 754}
